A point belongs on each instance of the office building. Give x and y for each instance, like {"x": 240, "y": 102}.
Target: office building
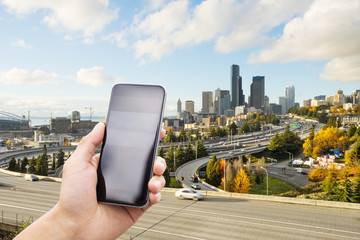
{"x": 320, "y": 97}
{"x": 257, "y": 93}
{"x": 60, "y": 125}
{"x": 307, "y": 103}
{"x": 222, "y": 101}
{"x": 74, "y": 116}
{"x": 282, "y": 103}
{"x": 207, "y": 101}
{"x": 275, "y": 108}
{"x": 189, "y": 106}
{"x": 290, "y": 97}
{"x": 237, "y": 96}
{"x": 178, "y": 110}
{"x": 267, "y": 105}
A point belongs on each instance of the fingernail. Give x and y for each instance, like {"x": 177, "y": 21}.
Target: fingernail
{"x": 158, "y": 197}
{"x": 162, "y": 166}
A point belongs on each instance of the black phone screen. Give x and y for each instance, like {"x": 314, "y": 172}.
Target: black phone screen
{"x": 130, "y": 143}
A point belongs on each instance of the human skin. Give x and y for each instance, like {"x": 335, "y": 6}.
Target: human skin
{"x": 78, "y": 215}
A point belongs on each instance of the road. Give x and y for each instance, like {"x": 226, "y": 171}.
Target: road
{"x": 213, "y": 218}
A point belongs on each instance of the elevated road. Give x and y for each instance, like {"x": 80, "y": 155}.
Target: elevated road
{"x": 211, "y": 219}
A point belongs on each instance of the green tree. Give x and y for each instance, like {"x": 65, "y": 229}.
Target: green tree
{"x": 24, "y": 162}
{"x": 189, "y": 152}
{"x": 60, "y": 158}
{"x": 32, "y": 165}
{"x": 201, "y": 149}
{"x": 285, "y": 142}
{"x": 198, "y": 134}
{"x": 161, "y": 152}
{"x": 53, "y": 163}
{"x": 12, "y": 164}
{"x": 166, "y": 175}
{"x": 182, "y": 135}
{"x": 169, "y": 157}
{"x": 18, "y": 165}
{"x": 232, "y": 128}
{"x": 180, "y": 155}
{"x": 213, "y": 172}
{"x": 170, "y": 137}
{"x": 245, "y": 128}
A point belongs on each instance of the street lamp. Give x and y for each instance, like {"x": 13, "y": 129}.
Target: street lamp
{"x": 292, "y": 159}
{"x": 267, "y": 181}
{"x": 224, "y": 175}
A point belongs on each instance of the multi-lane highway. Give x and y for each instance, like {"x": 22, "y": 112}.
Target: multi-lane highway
{"x": 213, "y": 218}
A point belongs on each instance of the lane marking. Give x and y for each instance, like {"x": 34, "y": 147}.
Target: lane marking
{"x": 168, "y": 233}
{"x": 292, "y": 229}
{"x": 266, "y": 220}
{"x": 25, "y": 208}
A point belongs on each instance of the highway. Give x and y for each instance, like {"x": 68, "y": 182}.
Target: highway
{"x": 212, "y": 218}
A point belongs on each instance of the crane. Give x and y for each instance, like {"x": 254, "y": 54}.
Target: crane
{"x": 91, "y": 111}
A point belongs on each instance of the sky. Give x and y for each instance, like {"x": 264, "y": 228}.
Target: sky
{"x": 65, "y": 55}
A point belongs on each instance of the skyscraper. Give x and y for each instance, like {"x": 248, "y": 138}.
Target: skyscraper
{"x": 222, "y": 100}
{"x": 178, "y": 112}
{"x": 282, "y": 103}
{"x": 290, "y": 97}
{"x": 237, "y": 96}
{"x": 257, "y": 92}
{"x": 207, "y": 101}
{"x": 189, "y": 106}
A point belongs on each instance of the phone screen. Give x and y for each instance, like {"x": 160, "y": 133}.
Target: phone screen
{"x": 130, "y": 143}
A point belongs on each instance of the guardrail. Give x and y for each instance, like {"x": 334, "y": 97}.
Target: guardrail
{"x": 11, "y": 222}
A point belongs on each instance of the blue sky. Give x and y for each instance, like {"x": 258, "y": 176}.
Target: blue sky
{"x": 59, "y": 56}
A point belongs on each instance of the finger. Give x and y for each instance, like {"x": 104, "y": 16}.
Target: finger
{"x": 162, "y": 133}
{"x": 95, "y": 160}
{"x": 159, "y": 166}
{"x": 156, "y": 183}
{"x": 154, "y": 198}
{"x": 89, "y": 143}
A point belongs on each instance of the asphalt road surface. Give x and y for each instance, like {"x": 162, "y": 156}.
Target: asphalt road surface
{"x": 212, "y": 218}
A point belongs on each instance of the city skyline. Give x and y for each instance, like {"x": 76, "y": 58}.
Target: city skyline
{"x": 53, "y": 62}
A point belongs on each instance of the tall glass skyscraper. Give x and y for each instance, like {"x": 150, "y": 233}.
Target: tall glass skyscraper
{"x": 237, "y": 96}
{"x": 257, "y": 93}
{"x": 290, "y": 97}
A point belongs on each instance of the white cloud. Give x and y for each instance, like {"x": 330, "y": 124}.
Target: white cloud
{"x": 232, "y": 24}
{"x": 20, "y": 43}
{"x": 119, "y": 38}
{"x": 86, "y": 16}
{"x": 329, "y": 29}
{"x": 19, "y": 76}
{"x": 346, "y": 69}
{"x": 95, "y": 76}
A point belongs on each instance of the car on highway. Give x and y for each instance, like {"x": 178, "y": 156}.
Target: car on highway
{"x": 273, "y": 163}
{"x": 188, "y": 193}
{"x": 31, "y": 177}
{"x": 196, "y": 186}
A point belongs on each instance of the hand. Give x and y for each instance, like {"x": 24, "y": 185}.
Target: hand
{"x": 78, "y": 214}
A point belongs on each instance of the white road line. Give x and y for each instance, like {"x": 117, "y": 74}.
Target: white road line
{"x": 168, "y": 233}
{"x": 266, "y": 220}
{"x": 25, "y": 208}
{"x": 292, "y": 229}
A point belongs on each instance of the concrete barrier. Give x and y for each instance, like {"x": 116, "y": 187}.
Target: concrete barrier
{"x": 17, "y": 174}
{"x": 312, "y": 202}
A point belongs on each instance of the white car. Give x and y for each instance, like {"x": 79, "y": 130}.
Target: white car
{"x": 31, "y": 177}
{"x": 189, "y": 194}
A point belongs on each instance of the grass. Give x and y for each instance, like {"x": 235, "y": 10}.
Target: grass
{"x": 174, "y": 183}
{"x": 276, "y": 186}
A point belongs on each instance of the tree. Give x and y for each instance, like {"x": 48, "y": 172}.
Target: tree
{"x": 232, "y": 128}
{"x": 41, "y": 165}
{"x": 170, "y": 137}
{"x": 169, "y": 157}
{"x": 213, "y": 172}
{"x": 180, "y": 155}
{"x": 182, "y": 135}
{"x": 32, "y": 165}
{"x": 201, "y": 149}
{"x": 352, "y": 156}
{"x": 12, "y": 164}
{"x": 161, "y": 152}
{"x": 60, "y": 158}
{"x": 241, "y": 182}
{"x": 317, "y": 174}
{"x": 189, "y": 152}
{"x": 245, "y": 128}
{"x": 198, "y": 134}
{"x": 53, "y": 163}
{"x": 24, "y": 162}
{"x": 166, "y": 175}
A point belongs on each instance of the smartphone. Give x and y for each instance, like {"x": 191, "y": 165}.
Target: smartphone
{"x": 130, "y": 143}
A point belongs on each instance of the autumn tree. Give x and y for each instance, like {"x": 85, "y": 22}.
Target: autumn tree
{"x": 241, "y": 182}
